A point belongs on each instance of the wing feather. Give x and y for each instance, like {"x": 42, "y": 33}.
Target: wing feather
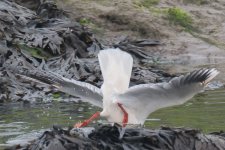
{"x": 87, "y": 92}
{"x": 146, "y": 98}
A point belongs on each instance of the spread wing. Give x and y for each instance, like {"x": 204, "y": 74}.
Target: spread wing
{"x": 146, "y": 98}
{"x": 85, "y": 91}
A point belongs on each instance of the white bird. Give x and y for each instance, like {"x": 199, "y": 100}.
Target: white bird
{"x": 131, "y": 105}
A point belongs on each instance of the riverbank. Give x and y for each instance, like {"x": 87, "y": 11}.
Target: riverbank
{"x": 66, "y": 41}
{"x": 191, "y": 33}
{"x": 47, "y": 39}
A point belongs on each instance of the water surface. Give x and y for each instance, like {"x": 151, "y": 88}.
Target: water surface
{"x": 24, "y": 121}
{"x": 21, "y": 122}
{"x": 205, "y": 111}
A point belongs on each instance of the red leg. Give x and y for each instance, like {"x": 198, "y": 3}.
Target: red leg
{"x": 125, "y": 117}
{"x": 86, "y": 122}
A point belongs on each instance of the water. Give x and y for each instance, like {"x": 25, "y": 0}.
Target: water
{"x": 22, "y": 122}
{"x": 205, "y": 111}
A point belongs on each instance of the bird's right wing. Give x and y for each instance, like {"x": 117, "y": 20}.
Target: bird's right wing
{"x": 87, "y": 92}
{"x": 147, "y": 98}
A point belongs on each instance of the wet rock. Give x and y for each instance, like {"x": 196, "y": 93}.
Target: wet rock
{"x": 36, "y": 35}
{"x": 29, "y": 39}
{"x": 108, "y": 137}
{"x": 33, "y": 5}
{"x": 135, "y": 47}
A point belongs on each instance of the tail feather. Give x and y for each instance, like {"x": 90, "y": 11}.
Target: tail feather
{"x": 116, "y": 67}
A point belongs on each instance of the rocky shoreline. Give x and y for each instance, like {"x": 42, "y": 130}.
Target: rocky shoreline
{"x": 46, "y": 38}
{"x": 36, "y": 35}
{"x": 107, "y": 137}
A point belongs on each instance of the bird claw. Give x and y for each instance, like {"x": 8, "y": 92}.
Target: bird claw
{"x": 86, "y": 122}
{"x": 81, "y": 124}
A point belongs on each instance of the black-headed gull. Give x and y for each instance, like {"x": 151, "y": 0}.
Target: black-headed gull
{"x": 131, "y": 105}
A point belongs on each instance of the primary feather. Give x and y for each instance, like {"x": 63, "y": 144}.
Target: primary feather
{"x": 87, "y": 92}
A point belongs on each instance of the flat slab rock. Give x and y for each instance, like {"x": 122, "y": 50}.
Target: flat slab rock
{"x": 110, "y": 137}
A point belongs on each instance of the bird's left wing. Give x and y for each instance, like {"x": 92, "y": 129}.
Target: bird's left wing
{"x": 87, "y": 92}
{"x": 147, "y": 98}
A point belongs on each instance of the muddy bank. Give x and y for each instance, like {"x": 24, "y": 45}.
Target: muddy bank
{"x": 43, "y": 37}
{"x": 114, "y": 137}
{"x": 182, "y": 50}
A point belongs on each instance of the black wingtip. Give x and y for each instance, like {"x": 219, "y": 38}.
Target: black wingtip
{"x": 203, "y": 76}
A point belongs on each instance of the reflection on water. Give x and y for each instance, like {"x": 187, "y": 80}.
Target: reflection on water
{"x": 22, "y": 122}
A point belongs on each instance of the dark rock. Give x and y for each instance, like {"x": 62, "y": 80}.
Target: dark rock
{"x": 36, "y": 35}
{"x": 108, "y": 137}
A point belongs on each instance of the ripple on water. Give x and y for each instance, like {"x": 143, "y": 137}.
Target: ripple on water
{"x": 14, "y": 128}
{"x": 20, "y": 123}
{"x": 25, "y": 138}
